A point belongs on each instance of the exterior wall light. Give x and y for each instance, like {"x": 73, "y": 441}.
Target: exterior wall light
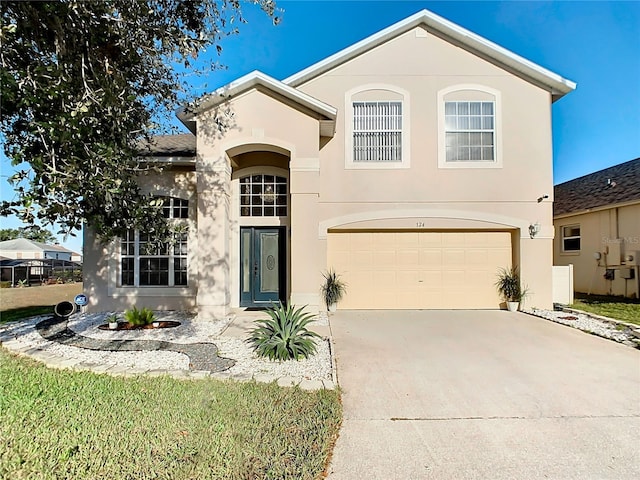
{"x": 534, "y": 229}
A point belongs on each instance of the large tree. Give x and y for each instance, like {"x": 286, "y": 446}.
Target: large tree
{"x": 35, "y": 233}
{"x": 83, "y": 85}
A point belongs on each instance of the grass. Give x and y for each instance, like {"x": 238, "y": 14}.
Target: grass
{"x": 24, "y": 312}
{"x": 618, "y": 308}
{"x": 80, "y": 425}
{"x": 18, "y": 303}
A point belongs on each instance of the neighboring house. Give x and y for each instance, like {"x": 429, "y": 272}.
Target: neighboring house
{"x": 597, "y": 221}
{"x": 22, "y": 248}
{"x": 411, "y": 163}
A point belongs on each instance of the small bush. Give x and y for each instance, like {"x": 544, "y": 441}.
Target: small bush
{"x": 5, "y": 284}
{"x": 139, "y": 317}
{"x": 333, "y": 288}
{"x": 284, "y": 336}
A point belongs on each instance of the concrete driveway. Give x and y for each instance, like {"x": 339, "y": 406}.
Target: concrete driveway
{"x": 482, "y": 395}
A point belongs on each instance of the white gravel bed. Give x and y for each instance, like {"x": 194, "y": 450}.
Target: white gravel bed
{"x": 316, "y": 367}
{"x": 25, "y": 334}
{"x": 586, "y": 323}
{"x": 248, "y": 364}
{"x": 189, "y": 331}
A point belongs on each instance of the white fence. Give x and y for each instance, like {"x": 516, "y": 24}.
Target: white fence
{"x": 562, "y": 284}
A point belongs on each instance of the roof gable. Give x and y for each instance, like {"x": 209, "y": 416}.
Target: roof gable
{"x": 257, "y": 79}
{"x": 449, "y": 31}
{"x": 611, "y": 186}
{"x": 26, "y": 245}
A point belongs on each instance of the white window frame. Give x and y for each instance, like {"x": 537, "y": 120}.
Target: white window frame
{"x": 397, "y": 95}
{"x": 570, "y": 237}
{"x": 170, "y": 255}
{"x": 265, "y": 205}
{"x": 469, "y": 97}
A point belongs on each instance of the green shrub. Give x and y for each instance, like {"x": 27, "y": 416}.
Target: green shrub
{"x": 333, "y": 288}
{"x": 508, "y": 285}
{"x": 6, "y": 284}
{"x": 284, "y": 336}
{"x": 139, "y": 317}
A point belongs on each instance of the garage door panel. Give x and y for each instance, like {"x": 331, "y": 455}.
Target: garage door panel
{"x": 415, "y": 270}
{"x": 452, "y": 257}
{"x": 408, "y": 257}
{"x": 430, "y": 259}
{"x": 432, "y": 239}
{"x": 500, "y": 256}
{"x": 476, "y": 256}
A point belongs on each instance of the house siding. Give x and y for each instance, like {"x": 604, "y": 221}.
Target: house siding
{"x": 602, "y": 231}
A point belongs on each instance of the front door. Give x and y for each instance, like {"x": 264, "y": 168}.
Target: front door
{"x": 262, "y": 266}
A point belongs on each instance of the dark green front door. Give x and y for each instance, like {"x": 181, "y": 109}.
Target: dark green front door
{"x": 262, "y": 266}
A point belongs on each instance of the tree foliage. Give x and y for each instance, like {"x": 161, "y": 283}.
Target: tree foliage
{"x": 35, "y": 233}
{"x": 83, "y": 85}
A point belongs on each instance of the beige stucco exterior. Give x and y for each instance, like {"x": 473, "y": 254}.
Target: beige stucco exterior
{"x": 612, "y": 234}
{"x": 296, "y": 136}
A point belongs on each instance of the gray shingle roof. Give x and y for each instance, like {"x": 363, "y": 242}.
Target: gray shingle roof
{"x": 613, "y": 185}
{"x": 26, "y": 245}
{"x": 180, "y": 145}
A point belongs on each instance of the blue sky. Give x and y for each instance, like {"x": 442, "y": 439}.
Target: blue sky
{"x": 595, "y": 44}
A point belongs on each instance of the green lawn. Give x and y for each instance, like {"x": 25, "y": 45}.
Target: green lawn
{"x": 617, "y": 308}
{"x": 63, "y": 424}
{"x": 23, "y": 312}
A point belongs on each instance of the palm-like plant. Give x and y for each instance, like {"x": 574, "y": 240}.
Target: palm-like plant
{"x": 140, "y": 317}
{"x": 508, "y": 285}
{"x": 284, "y": 336}
{"x": 333, "y": 288}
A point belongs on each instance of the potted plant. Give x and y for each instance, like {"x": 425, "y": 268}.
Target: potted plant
{"x": 509, "y": 287}
{"x": 112, "y": 320}
{"x": 333, "y": 289}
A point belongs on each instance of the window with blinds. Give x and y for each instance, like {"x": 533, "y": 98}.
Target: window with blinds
{"x": 377, "y": 131}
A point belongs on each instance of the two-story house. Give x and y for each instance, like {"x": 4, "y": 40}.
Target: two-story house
{"x": 415, "y": 163}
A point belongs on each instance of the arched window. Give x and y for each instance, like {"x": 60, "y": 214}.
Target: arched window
{"x": 145, "y": 262}
{"x": 468, "y": 123}
{"x": 263, "y": 196}
{"x": 377, "y": 127}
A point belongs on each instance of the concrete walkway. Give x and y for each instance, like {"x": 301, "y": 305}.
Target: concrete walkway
{"x": 482, "y": 395}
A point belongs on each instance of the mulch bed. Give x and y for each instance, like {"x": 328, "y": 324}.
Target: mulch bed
{"x": 128, "y": 326}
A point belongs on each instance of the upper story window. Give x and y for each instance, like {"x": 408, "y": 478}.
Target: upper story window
{"x": 571, "y": 238}
{"x": 468, "y": 124}
{"x": 263, "y": 196}
{"x": 377, "y": 127}
{"x": 146, "y": 262}
{"x": 470, "y": 131}
{"x": 175, "y": 208}
{"x": 377, "y": 131}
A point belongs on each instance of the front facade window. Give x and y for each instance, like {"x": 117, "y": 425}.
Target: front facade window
{"x": 377, "y": 131}
{"x": 470, "y": 131}
{"x": 263, "y": 196}
{"x": 571, "y": 238}
{"x": 377, "y": 127}
{"x": 145, "y": 262}
{"x": 469, "y": 119}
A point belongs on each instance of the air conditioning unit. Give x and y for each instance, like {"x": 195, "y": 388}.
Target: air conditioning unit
{"x": 627, "y": 273}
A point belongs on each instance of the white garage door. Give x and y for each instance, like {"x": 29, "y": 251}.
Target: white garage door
{"x": 419, "y": 270}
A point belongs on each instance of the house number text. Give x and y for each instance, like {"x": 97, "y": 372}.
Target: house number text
{"x": 420, "y": 224}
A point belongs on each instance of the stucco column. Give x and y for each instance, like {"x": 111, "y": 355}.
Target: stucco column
{"x": 536, "y": 260}
{"x": 306, "y": 264}
{"x": 214, "y": 184}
